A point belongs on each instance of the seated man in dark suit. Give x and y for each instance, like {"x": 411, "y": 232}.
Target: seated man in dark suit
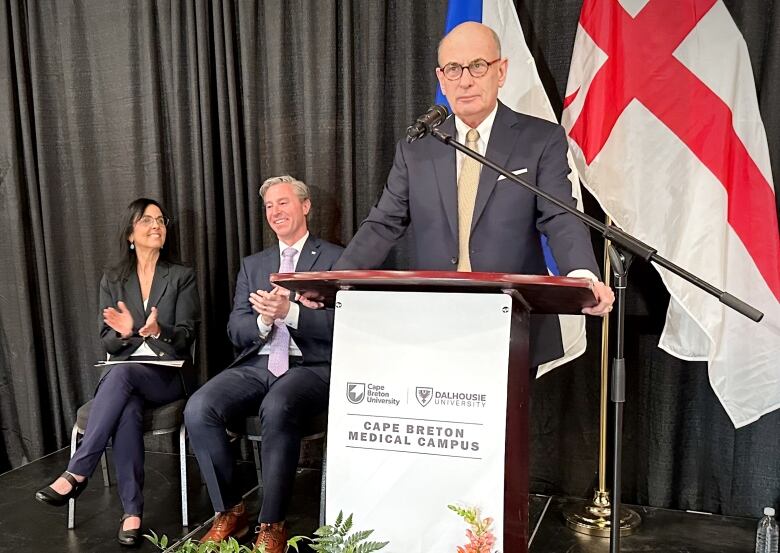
{"x": 282, "y": 372}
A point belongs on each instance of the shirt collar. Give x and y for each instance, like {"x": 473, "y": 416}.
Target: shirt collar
{"x": 483, "y": 128}
{"x": 298, "y": 245}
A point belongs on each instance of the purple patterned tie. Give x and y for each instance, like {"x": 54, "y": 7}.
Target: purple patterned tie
{"x": 279, "y": 356}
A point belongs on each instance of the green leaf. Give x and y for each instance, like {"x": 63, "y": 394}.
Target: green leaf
{"x": 326, "y": 530}
{"x": 330, "y": 540}
{"x": 370, "y": 546}
{"x": 356, "y": 538}
{"x": 293, "y": 541}
{"x": 336, "y": 538}
{"x": 347, "y": 526}
{"x": 153, "y": 538}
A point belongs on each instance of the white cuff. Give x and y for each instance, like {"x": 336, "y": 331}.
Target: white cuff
{"x": 263, "y": 328}
{"x": 291, "y": 319}
{"x": 583, "y": 273}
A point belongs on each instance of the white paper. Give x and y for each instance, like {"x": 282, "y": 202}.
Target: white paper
{"x": 172, "y": 363}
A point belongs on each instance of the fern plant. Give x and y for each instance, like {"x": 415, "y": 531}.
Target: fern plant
{"x": 193, "y": 546}
{"x": 335, "y": 538}
{"x": 331, "y": 538}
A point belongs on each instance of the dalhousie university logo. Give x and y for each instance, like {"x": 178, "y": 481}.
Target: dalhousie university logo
{"x": 356, "y": 392}
{"x": 424, "y": 395}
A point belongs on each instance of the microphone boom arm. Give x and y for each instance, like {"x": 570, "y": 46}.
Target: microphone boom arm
{"x": 618, "y": 237}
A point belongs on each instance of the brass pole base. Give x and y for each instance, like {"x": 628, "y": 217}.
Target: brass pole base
{"x": 594, "y": 518}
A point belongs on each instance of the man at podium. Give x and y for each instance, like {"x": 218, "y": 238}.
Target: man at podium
{"x": 466, "y": 217}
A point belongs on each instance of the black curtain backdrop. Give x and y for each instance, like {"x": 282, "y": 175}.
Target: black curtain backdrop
{"x": 195, "y": 103}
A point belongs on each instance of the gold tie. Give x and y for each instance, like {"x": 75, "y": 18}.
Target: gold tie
{"x": 468, "y": 180}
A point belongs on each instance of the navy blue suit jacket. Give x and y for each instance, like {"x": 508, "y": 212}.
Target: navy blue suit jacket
{"x": 314, "y": 335}
{"x": 421, "y": 194}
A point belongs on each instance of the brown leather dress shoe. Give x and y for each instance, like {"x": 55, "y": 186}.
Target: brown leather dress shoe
{"x": 273, "y": 535}
{"x": 233, "y": 523}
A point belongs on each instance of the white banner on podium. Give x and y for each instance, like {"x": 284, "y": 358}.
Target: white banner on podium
{"x": 417, "y": 415}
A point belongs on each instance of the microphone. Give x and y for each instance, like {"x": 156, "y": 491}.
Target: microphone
{"x": 428, "y": 121}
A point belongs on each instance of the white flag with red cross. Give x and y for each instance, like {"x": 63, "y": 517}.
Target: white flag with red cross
{"x": 664, "y": 126}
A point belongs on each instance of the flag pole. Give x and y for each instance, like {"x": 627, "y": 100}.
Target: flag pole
{"x": 594, "y": 518}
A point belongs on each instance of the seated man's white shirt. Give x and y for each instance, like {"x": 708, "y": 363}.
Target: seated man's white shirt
{"x": 291, "y": 319}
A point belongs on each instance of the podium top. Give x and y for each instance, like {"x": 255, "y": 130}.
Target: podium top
{"x": 540, "y": 294}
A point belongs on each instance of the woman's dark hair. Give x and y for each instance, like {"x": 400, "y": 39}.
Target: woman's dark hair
{"x": 125, "y": 261}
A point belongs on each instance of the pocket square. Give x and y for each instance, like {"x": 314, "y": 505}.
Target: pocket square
{"x": 516, "y": 172}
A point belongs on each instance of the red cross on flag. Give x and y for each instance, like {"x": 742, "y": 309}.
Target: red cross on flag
{"x": 664, "y": 127}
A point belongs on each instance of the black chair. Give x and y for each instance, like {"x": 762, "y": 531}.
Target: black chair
{"x": 164, "y": 419}
{"x": 316, "y": 429}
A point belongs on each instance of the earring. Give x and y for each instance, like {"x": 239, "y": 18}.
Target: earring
{"x": 132, "y": 246}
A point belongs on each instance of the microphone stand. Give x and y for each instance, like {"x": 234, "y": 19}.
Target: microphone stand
{"x": 620, "y": 262}
{"x": 623, "y": 249}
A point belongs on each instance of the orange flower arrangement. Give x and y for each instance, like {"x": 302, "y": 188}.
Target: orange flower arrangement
{"x": 480, "y": 534}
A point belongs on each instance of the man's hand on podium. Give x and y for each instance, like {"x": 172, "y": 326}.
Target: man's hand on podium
{"x": 605, "y": 297}
{"x": 310, "y": 300}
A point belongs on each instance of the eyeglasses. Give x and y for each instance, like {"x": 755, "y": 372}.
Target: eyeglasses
{"x": 477, "y": 68}
{"x": 148, "y": 221}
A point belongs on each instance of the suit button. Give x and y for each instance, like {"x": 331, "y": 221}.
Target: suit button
{"x": 161, "y": 354}
{"x": 454, "y": 260}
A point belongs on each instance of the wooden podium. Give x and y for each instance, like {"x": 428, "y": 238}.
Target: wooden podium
{"x": 429, "y": 398}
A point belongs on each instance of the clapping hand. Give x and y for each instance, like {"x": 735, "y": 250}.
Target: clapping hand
{"x": 119, "y": 319}
{"x": 271, "y": 305}
{"x": 151, "y": 328}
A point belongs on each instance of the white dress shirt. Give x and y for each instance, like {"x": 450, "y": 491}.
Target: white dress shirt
{"x": 143, "y": 349}
{"x": 291, "y": 319}
{"x": 483, "y": 129}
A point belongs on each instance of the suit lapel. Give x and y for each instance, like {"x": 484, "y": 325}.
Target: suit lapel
{"x": 133, "y": 299}
{"x": 159, "y": 284}
{"x": 271, "y": 261}
{"x": 309, "y": 254}
{"x": 445, "y": 166}
{"x": 502, "y": 142}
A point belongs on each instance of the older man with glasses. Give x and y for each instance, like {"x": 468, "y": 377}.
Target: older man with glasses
{"x": 465, "y": 217}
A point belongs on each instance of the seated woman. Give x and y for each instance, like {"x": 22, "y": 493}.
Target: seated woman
{"x": 149, "y": 310}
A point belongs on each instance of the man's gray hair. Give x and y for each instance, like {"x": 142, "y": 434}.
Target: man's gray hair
{"x": 300, "y": 188}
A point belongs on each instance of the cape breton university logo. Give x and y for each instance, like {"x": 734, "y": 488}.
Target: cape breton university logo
{"x": 356, "y": 392}
{"x": 423, "y": 394}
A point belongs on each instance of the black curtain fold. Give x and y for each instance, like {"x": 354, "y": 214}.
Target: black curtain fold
{"x": 196, "y": 103}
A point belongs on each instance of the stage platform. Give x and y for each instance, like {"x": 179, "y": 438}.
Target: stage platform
{"x": 26, "y": 525}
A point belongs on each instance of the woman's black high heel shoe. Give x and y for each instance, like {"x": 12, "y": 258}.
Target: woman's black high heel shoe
{"x": 49, "y": 496}
{"x": 128, "y": 537}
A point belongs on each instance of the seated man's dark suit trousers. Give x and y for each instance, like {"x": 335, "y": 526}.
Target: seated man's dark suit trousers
{"x": 285, "y": 404}
{"x": 247, "y": 388}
